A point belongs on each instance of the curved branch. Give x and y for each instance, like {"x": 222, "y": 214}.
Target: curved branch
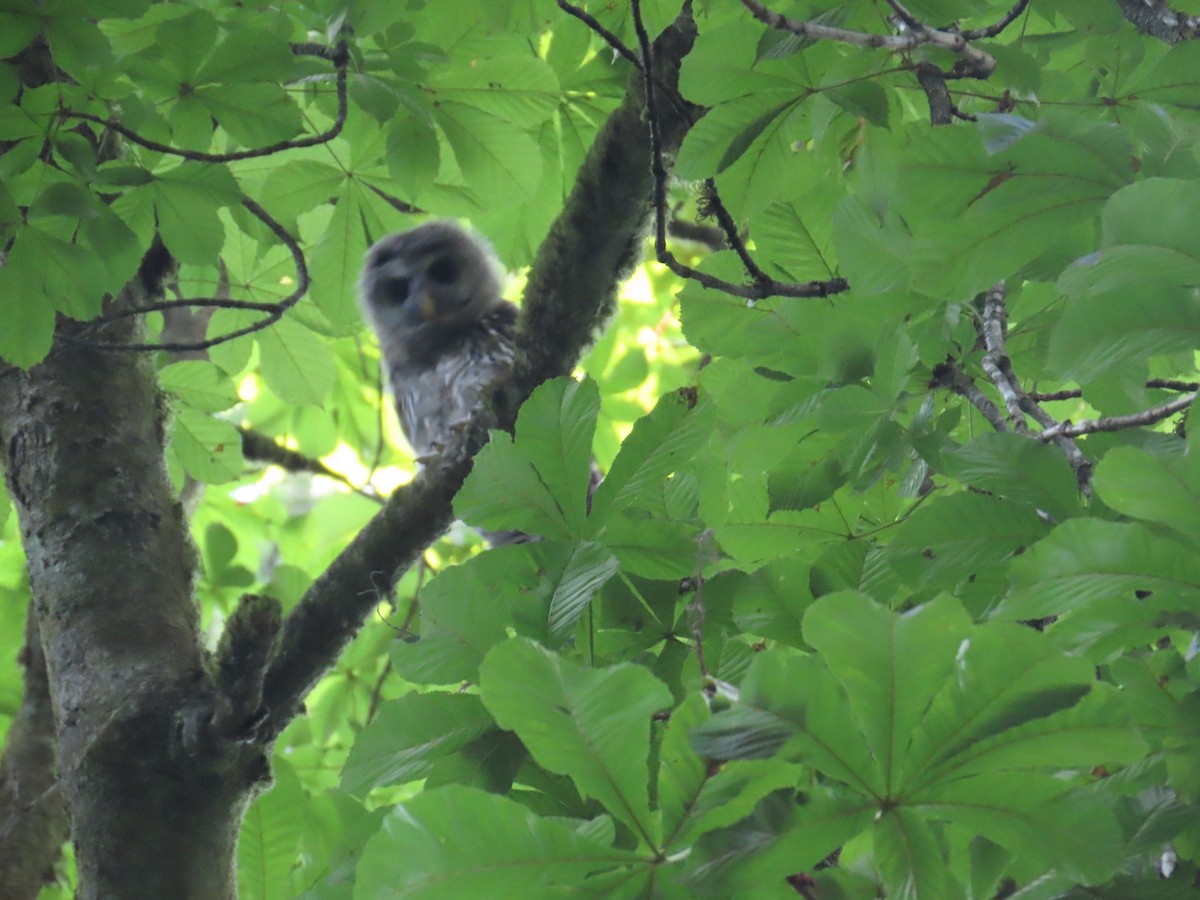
{"x": 609, "y": 38}
{"x": 340, "y": 56}
{"x": 972, "y": 63}
{"x": 762, "y": 285}
{"x": 1118, "y": 423}
{"x": 991, "y": 31}
{"x": 570, "y": 291}
{"x": 274, "y": 311}
{"x": 1157, "y": 19}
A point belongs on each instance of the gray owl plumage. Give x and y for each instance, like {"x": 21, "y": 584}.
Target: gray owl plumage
{"x": 432, "y": 295}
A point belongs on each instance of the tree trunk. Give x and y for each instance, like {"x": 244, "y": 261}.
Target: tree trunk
{"x": 33, "y": 824}
{"x": 154, "y": 791}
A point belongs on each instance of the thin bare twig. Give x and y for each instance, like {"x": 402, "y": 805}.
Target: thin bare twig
{"x": 904, "y": 15}
{"x": 1165, "y": 384}
{"x": 1080, "y": 464}
{"x": 951, "y": 375}
{"x": 262, "y": 448}
{"x": 415, "y": 604}
{"x": 609, "y": 38}
{"x": 995, "y": 361}
{"x": 695, "y": 610}
{"x": 713, "y": 205}
{"x": 972, "y": 62}
{"x": 340, "y": 57}
{"x": 1170, "y": 384}
{"x": 1118, "y": 423}
{"x": 762, "y": 286}
{"x": 991, "y": 31}
{"x": 274, "y": 311}
{"x": 998, "y": 366}
{"x": 1050, "y": 396}
{"x": 394, "y": 202}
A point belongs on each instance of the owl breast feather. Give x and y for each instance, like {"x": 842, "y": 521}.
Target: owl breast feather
{"x": 441, "y": 393}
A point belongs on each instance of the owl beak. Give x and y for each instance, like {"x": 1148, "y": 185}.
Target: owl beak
{"x": 427, "y": 307}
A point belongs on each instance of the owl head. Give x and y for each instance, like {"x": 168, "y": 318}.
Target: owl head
{"x": 435, "y": 276}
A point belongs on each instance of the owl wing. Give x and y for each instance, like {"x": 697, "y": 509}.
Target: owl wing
{"x": 437, "y": 396}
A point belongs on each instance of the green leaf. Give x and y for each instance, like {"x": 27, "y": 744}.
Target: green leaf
{"x": 1178, "y": 743}
{"x": 459, "y": 842}
{"x": 797, "y": 238}
{"x": 413, "y": 154}
{"x": 538, "y": 484}
{"x": 873, "y": 246}
{"x": 465, "y": 611}
{"x": 655, "y": 448}
{"x": 726, "y": 132}
{"x": 909, "y": 856}
{"x": 184, "y": 42}
{"x": 498, "y": 159}
{"x": 554, "y": 431}
{"x": 862, "y": 98}
{"x": 300, "y": 186}
{"x": 28, "y": 311}
{"x": 681, "y": 772}
{"x": 1095, "y": 733}
{"x": 1018, "y": 469}
{"x": 1147, "y": 256}
{"x": 1173, "y": 80}
{"x": 408, "y": 735}
{"x": 336, "y": 261}
{"x": 781, "y": 838}
{"x": 504, "y": 491}
{"x": 17, "y": 29}
{"x": 185, "y": 200}
{"x": 743, "y": 732}
{"x": 199, "y": 384}
{"x": 891, "y": 666}
{"x": 269, "y": 841}
{"x": 732, "y": 793}
{"x": 772, "y": 718}
{"x": 1138, "y": 484}
{"x": 590, "y": 724}
{"x": 209, "y": 449}
{"x": 248, "y": 53}
{"x": 954, "y": 537}
{"x": 255, "y": 115}
{"x": 1075, "y": 833}
{"x": 62, "y": 272}
{"x": 653, "y": 548}
{"x": 521, "y": 89}
{"x": 1086, "y": 561}
{"x": 993, "y": 213}
{"x": 296, "y": 363}
{"x": 1103, "y": 332}
{"x": 1004, "y": 676}
{"x": 589, "y": 566}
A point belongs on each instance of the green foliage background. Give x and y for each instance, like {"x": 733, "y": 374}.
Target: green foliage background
{"x": 843, "y": 667}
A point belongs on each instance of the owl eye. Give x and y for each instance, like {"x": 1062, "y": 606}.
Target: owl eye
{"x": 396, "y": 289}
{"x": 443, "y": 270}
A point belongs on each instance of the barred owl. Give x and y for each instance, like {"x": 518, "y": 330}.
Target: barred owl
{"x": 432, "y": 294}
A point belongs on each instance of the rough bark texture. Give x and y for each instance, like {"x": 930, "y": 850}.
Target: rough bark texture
{"x": 1157, "y": 19}
{"x": 33, "y": 823}
{"x": 597, "y": 239}
{"x": 111, "y": 568}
